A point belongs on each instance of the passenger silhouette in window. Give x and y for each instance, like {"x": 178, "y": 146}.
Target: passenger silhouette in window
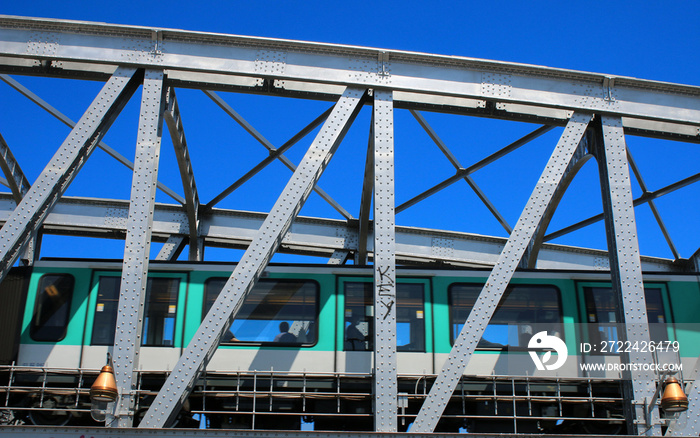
{"x": 284, "y": 335}
{"x": 354, "y": 339}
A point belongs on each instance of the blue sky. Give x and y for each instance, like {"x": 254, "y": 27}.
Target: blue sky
{"x": 644, "y": 39}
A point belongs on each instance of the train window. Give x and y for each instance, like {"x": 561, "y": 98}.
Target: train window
{"x": 52, "y": 308}
{"x": 359, "y": 316}
{"x": 602, "y": 307}
{"x": 523, "y": 311}
{"x": 159, "y": 313}
{"x": 276, "y": 311}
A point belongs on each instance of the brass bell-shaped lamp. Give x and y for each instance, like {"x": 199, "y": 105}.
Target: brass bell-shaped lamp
{"x": 103, "y": 392}
{"x": 674, "y": 399}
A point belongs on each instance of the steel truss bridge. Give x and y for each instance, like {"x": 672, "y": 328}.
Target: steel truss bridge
{"x": 596, "y": 113}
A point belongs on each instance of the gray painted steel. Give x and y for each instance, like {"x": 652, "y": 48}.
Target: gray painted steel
{"x": 625, "y": 267}
{"x": 385, "y": 361}
{"x": 179, "y": 383}
{"x": 495, "y": 286}
{"x": 209, "y": 59}
{"x": 236, "y": 229}
{"x": 26, "y": 219}
{"x": 399, "y": 80}
{"x": 132, "y": 293}
{"x": 177, "y": 134}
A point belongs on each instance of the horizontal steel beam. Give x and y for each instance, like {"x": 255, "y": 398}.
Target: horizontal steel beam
{"x": 205, "y": 59}
{"x": 311, "y": 236}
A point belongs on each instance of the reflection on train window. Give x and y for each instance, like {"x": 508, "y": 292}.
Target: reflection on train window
{"x": 159, "y": 313}
{"x": 52, "y": 308}
{"x": 524, "y": 310}
{"x": 602, "y": 307}
{"x": 283, "y": 312}
{"x": 359, "y": 317}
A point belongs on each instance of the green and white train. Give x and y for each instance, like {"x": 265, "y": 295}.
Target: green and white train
{"x": 59, "y": 318}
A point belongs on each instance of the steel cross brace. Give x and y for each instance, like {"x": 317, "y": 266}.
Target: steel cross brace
{"x": 500, "y": 276}
{"x": 26, "y": 219}
{"x": 181, "y": 380}
{"x": 132, "y": 293}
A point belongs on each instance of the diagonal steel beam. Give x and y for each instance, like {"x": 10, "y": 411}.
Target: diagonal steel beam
{"x": 132, "y": 293}
{"x": 274, "y": 155}
{"x": 68, "y": 122}
{"x": 179, "y": 383}
{"x": 469, "y": 180}
{"x": 177, "y": 133}
{"x": 263, "y": 141}
{"x": 16, "y": 181}
{"x": 65, "y": 164}
{"x": 500, "y": 276}
{"x": 462, "y": 173}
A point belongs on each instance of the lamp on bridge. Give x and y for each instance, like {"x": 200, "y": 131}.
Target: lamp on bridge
{"x": 103, "y": 392}
{"x": 674, "y": 399}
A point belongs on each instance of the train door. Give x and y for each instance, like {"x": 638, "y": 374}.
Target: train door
{"x": 355, "y": 337}
{"x": 603, "y": 335}
{"x": 164, "y": 313}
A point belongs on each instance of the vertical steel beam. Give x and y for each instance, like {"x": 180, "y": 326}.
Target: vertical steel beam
{"x": 205, "y": 341}
{"x": 127, "y": 339}
{"x": 385, "y": 381}
{"x": 177, "y": 133}
{"x": 500, "y": 276}
{"x": 26, "y": 219}
{"x": 626, "y": 268}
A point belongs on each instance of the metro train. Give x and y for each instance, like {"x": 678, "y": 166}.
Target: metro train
{"x": 305, "y": 331}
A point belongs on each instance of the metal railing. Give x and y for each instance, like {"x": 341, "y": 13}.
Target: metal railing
{"x": 327, "y": 401}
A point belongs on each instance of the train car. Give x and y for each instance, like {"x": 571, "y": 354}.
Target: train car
{"x": 299, "y": 352}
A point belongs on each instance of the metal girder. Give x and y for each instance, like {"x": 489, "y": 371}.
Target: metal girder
{"x": 463, "y": 173}
{"x": 263, "y": 141}
{"x": 62, "y": 168}
{"x": 132, "y": 293}
{"x": 581, "y": 156}
{"x": 625, "y": 269}
{"x": 455, "y": 163}
{"x": 500, "y": 276}
{"x": 314, "y": 236}
{"x": 363, "y": 226}
{"x": 16, "y": 181}
{"x": 209, "y": 58}
{"x": 385, "y": 359}
{"x": 171, "y": 248}
{"x": 68, "y": 122}
{"x": 173, "y": 118}
{"x": 179, "y": 383}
